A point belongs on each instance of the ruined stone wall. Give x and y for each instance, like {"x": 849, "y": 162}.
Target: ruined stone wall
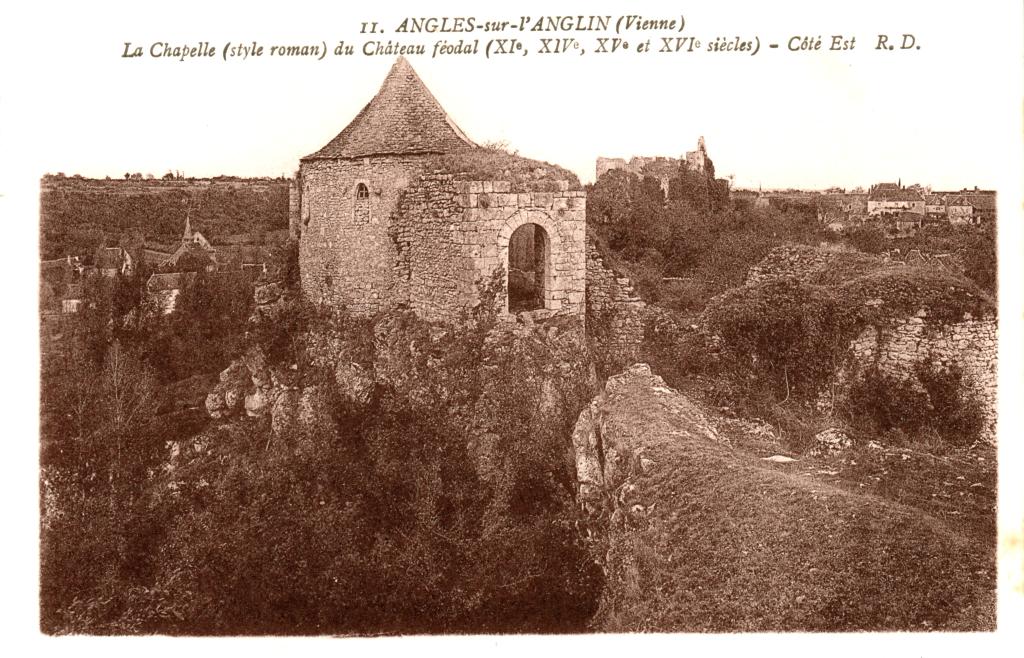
{"x": 451, "y": 235}
{"x": 347, "y": 257}
{"x": 805, "y": 263}
{"x": 294, "y": 206}
{"x": 605, "y": 165}
{"x": 615, "y": 313}
{"x": 902, "y": 345}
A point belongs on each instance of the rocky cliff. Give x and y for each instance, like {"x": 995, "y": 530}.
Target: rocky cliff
{"x": 696, "y": 535}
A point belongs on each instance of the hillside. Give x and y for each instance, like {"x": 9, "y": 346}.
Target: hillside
{"x": 77, "y": 214}
{"x": 699, "y": 531}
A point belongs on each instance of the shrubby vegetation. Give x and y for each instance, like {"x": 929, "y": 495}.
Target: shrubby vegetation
{"x": 779, "y": 343}
{"x": 444, "y": 502}
{"x": 933, "y": 400}
{"x": 683, "y": 248}
{"x": 496, "y": 161}
{"x": 690, "y": 236}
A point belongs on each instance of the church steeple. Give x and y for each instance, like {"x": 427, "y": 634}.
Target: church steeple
{"x": 187, "y": 235}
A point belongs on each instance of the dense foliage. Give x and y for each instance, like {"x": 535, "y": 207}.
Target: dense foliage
{"x": 933, "y": 400}
{"x": 442, "y": 502}
{"x": 77, "y": 215}
{"x": 683, "y": 248}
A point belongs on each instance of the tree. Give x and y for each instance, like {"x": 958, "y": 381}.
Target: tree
{"x": 93, "y": 471}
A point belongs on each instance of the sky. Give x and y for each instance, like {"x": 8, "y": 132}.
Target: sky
{"x": 778, "y": 119}
{"x": 948, "y": 115}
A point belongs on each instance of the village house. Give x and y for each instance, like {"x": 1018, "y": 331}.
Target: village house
{"x": 959, "y": 210}
{"x": 840, "y": 210}
{"x": 983, "y": 206}
{"x": 113, "y": 261}
{"x": 194, "y": 253}
{"x": 935, "y": 206}
{"x": 891, "y": 199}
{"x": 60, "y": 282}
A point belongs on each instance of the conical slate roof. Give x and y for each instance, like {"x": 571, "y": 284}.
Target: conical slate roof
{"x": 403, "y": 118}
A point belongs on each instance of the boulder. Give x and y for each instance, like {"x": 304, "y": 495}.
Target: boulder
{"x": 284, "y": 412}
{"x": 256, "y": 363}
{"x": 831, "y": 441}
{"x": 257, "y": 403}
{"x": 228, "y": 396}
{"x": 215, "y": 405}
{"x": 354, "y": 382}
{"x": 609, "y": 447}
{"x": 267, "y": 293}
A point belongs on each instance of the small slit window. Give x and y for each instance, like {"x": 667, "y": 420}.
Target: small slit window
{"x": 361, "y": 210}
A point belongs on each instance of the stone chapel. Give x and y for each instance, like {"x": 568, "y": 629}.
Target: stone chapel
{"x": 401, "y": 208}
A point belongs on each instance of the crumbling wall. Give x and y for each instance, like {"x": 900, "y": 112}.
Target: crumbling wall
{"x": 294, "y": 205}
{"x": 808, "y": 264}
{"x": 898, "y": 348}
{"x": 615, "y": 313}
{"x": 452, "y": 235}
{"x": 915, "y": 316}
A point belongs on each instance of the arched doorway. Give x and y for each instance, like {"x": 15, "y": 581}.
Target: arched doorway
{"x": 528, "y": 255}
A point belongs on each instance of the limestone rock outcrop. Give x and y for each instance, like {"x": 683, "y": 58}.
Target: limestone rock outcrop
{"x": 249, "y": 387}
{"x": 611, "y": 448}
{"x": 831, "y": 441}
{"x": 696, "y": 535}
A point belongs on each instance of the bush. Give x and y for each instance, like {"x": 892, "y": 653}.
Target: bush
{"x": 888, "y": 403}
{"x": 955, "y": 409}
{"x": 870, "y": 239}
{"x": 932, "y": 399}
{"x": 791, "y": 333}
{"x": 443, "y": 504}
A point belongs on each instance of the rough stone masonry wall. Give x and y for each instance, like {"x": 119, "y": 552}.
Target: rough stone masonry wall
{"x": 451, "y": 235}
{"x": 347, "y": 257}
{"x": 294, "y": 206}
{"x": 804, "y": 262}
{"x": 615, "y": 313}
{"x": 898, "y": 348}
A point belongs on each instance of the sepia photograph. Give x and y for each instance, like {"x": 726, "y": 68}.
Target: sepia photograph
{"x": 616, "y": 319}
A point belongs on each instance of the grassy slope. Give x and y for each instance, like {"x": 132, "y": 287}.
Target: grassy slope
{"x": 734, "y": 543}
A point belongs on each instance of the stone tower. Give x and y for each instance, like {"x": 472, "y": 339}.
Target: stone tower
{"x": 351, "y": 186}
{"x": 401, "y": 208}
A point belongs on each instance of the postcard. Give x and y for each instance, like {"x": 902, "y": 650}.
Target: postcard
{"x": 457, "y": 326}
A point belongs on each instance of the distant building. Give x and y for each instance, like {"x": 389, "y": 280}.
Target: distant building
{"x": 665, "y": 168}
{"x": 935, "y": 206}
{"x": 959, "y": 210}
{"x": 662, "y": 168}
{"x": 890, "y": 199}
{"x": 61, "y": 285}
{"x": 73, "y": 298}
{"x": 698, "y": 161}
{"x": 840, "y": 209}
{"x": 983, "y": 206}
{"x": 113, "y": 261}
